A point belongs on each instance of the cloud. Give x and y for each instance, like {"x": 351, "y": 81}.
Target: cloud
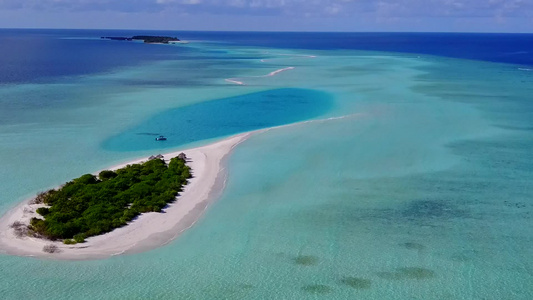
{"x": 383, "y": 9}
{"x": 455, "y": 8}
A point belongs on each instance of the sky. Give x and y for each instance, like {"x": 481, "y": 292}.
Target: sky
{"x": 273, "y": 15}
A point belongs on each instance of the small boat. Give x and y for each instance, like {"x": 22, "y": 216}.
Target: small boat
{"x": 161, "y": 138}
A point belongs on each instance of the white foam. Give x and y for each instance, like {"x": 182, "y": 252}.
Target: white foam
{"x": 274, "y": 73}
{"x": 279, "y": 71}
{"x": 299, "y": 55}
{"x": 232, "y": 80}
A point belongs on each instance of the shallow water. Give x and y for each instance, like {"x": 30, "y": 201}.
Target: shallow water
{"x": 421, "y": 191}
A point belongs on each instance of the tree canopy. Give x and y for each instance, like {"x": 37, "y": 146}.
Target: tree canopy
{"x": 92, "y": 205}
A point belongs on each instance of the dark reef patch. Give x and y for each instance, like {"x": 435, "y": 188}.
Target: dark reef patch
{"x": 413, "y": 246}
{"x": 305, "y": 260}
{"x": 430, "y": 209}
{"x": 357, "y": 283}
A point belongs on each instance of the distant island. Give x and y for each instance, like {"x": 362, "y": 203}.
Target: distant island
{"x": 149, "y": 39}
{"x": 93, "y": 205}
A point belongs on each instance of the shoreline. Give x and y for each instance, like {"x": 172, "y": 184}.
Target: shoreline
{"x": 149, "y": 230}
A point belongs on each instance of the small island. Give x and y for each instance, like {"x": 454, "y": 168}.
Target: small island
{"x": 93, "y": 205}
{"x": 149, "y": 39}
{"x": 128, "y": 208}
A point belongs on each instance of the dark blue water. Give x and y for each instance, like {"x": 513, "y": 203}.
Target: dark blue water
{"x": 505, "y": 48}
{"x": 223, "y": 117}
{"x": 44, "y": 55}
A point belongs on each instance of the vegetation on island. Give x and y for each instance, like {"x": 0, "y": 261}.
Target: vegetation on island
{"x": 155, "y": 39}
{"x": 92, "y": 205}
{"x": 149, "y": 39}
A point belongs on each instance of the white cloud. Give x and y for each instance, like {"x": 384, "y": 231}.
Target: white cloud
{"x": 390, "y": 9}
{"x": 333, "y": 9}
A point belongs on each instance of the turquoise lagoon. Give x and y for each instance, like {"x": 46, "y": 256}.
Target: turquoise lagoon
{"x": 413, "y": 181}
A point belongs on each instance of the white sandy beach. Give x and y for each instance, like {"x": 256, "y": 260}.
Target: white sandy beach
{"x": 149, "y": 230}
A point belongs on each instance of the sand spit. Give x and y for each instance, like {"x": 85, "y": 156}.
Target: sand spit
{"x": 149, "y": 230}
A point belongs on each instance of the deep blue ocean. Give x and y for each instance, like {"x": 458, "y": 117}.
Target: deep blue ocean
{"x": 406, "y": 172}
{"x": 41, "y": 55}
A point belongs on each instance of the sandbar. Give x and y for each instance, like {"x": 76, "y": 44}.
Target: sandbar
{"x": 149, "y": 230}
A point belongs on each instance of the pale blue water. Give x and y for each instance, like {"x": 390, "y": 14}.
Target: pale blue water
{"x": 423, "y": 191}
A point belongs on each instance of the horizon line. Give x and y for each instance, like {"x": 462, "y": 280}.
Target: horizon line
{"x": 263, "y": 31}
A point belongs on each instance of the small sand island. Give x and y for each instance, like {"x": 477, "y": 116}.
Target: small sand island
{"x": 148, "y": 39}
{"x": 93, "y": 205}
{"x": 130, "y": 208}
